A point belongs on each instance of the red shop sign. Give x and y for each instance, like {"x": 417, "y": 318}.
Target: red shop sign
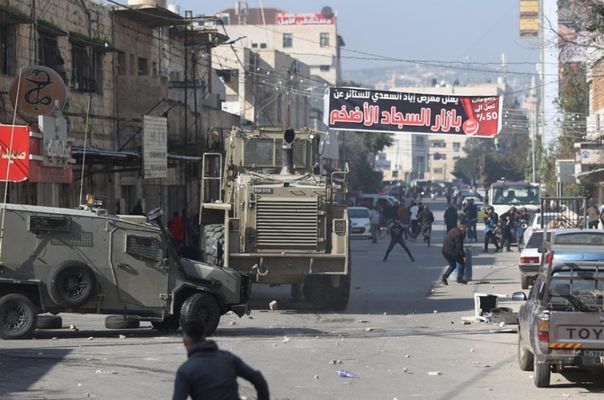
{"x": 18, "y": 169}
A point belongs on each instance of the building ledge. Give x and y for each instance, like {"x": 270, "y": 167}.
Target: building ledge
{"x": 151, "y": 15}
{"x": 11, "y": 15}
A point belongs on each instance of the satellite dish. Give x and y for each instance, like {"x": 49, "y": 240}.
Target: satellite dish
{"x": 327, "y": 12}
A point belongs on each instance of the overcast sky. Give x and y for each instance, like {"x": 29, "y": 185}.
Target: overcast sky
{"x": 443, "y": 30}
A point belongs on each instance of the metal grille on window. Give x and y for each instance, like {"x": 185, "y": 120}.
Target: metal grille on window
{"x": 299, "y": 154}
{"x": 259, "y": 152}
{"x": 48, "y": 224}
{"x": 146, "y": 248}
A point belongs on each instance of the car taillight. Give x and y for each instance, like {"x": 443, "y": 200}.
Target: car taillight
{"x": 549, "y": 257}
{"x": 529, "y": 260}
{"x": 543, "y": 328}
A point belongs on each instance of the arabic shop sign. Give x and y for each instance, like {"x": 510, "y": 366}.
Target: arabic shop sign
{"x": 17, "y": 154}
{"x": 38, "y": 89}
{"x": 304, "y": 19}
{"x": 383, "y": 111}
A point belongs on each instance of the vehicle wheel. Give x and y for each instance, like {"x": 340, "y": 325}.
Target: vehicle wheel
{"x": 323, "y": 297}
{"x": 203, "y": 306}
{"x": 18, "y": 317}
{"x": 213, "y": 244}
{"x": 542, "y": 373}
{"x": 71, "y": 284}
{"x": 49, "y": 322}
{"x": 525, "y": 357}
{"x": 524, "y": 281}
{"x": 168, "y": 325}
{"x": 119, "y": 322}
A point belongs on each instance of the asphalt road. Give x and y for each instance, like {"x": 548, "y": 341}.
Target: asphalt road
{"x": 402, "y": 335}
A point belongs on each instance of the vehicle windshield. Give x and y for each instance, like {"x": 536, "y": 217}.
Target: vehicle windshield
{"x": 358, "y": 213}
{"x": 536, "y": 240}
{"x": 515, "y": 195}
{"x": 580, "y": 238}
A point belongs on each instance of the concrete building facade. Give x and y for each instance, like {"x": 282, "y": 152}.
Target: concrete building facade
{"x": 119, "y": 64}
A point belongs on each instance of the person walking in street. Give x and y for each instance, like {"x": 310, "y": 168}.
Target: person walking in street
{"x": 450, "y": 217}
{"x": 508, "y": 227}
{"x": 405, "y": 216}
{"x": 454, "y": 253}
{"x": 414, "y": 210}
{"x": 396, "y": 237}
{"x": 426, "y": 219}
{"x": 375, "y": 218}
{"x": 522, "y": 221}
{"x": 490, "y": 224}
{"x": 471, "y": 212}
{"x": 210, "y": 373}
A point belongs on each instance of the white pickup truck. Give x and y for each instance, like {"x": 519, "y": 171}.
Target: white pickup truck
{"x": 561, "y": 324}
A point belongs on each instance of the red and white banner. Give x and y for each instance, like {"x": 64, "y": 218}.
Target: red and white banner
{"x": 304, "y": 19}
{"x": 381, "y": 111}
{"x": 18, "y": 153}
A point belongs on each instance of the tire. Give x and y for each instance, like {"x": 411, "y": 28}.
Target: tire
{"x": 49, "y": 322}
{"x": 71, "y": 284}
{"x": 18, "y": 317}
{"x": 203, "y": 306}
{"x": 525, "y": 357}
{"x": 524, "y": 281}
{"x": 322, "y": 296}
{"x": 168, "y": 325}
{"x": 542, "y": 373}
{"x": 213, "y": 244}
{"x": 119, "y": 322}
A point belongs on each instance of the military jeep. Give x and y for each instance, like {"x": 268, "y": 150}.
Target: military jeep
{"x": 83, "y": 261}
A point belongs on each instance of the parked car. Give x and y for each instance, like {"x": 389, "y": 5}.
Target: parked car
{"x": 530, "y": 257}
{"x": 560, "y": 324}
{"x": 574, "y": 245}
{"x": 360, "y": 222}
{"x": 371, "y": 200}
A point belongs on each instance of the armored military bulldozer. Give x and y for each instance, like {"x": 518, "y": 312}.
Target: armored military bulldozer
{"x": 287, "y": 222}
{"x": 57, "y": 260}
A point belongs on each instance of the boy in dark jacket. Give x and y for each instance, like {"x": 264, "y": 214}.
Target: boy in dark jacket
{"x": 396, "y": 237}
{"x": 454, "y": 253}
{"x": 209, "y": 373}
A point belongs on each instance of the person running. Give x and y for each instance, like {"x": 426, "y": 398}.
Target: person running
{"x": 426, "y": 219}
{"x": 375, "y": 218}
{"x": 414, "y": 210}
{"x": 396, "y": 237}
{"x": 454, "y": 253}
{"x": 405, "y": 215}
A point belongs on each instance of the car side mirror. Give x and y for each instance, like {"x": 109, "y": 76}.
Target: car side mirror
{"x": 519, "y": 296}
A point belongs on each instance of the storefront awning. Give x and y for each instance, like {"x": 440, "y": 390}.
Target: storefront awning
{"x": 94, "y": 154}
{"x": 85, "y": 41}
{"x": 597, "y": 173}
{"x": 12, "y": 16}
{"x": 50, "y": 29}
{"x": 151, "y": 15}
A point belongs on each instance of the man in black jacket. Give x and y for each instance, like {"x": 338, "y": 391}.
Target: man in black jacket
{"x": 209, "y": 373}
{"x": 450, "y": 217}
{"x": 454, "y": 253}
{"x": 396, "y": 236}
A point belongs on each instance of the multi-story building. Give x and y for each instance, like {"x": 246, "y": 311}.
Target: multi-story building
{"x": 311, "y": 38}
{"x": 120, "y": 66}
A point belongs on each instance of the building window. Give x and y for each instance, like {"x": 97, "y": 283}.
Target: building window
{"x": 143, "y": 66}
{"x": 438, "y": 170}
{"x": 438, "y": 144}
{"x": 456, "y": 146}
{"x": 324, "y": 68}
{"x": 263, "y": 45}
{"x": 440, "y": 156}
{"x": 121, "y": 63}
{"x": 324, "y": 39}
{"x": 254, "y": 45}
{"x": 288, "y": 40}
{"x": 131, "y": 64}
{"x": 7, "y": 49}
{"x": 50, "y": 56}
{"x": 86, "y": 72}
{"x": 154, "y": 69}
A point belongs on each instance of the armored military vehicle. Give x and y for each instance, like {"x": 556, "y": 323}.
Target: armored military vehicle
{"x": 287, "y": 222}
{"x": 60, "y": 260}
